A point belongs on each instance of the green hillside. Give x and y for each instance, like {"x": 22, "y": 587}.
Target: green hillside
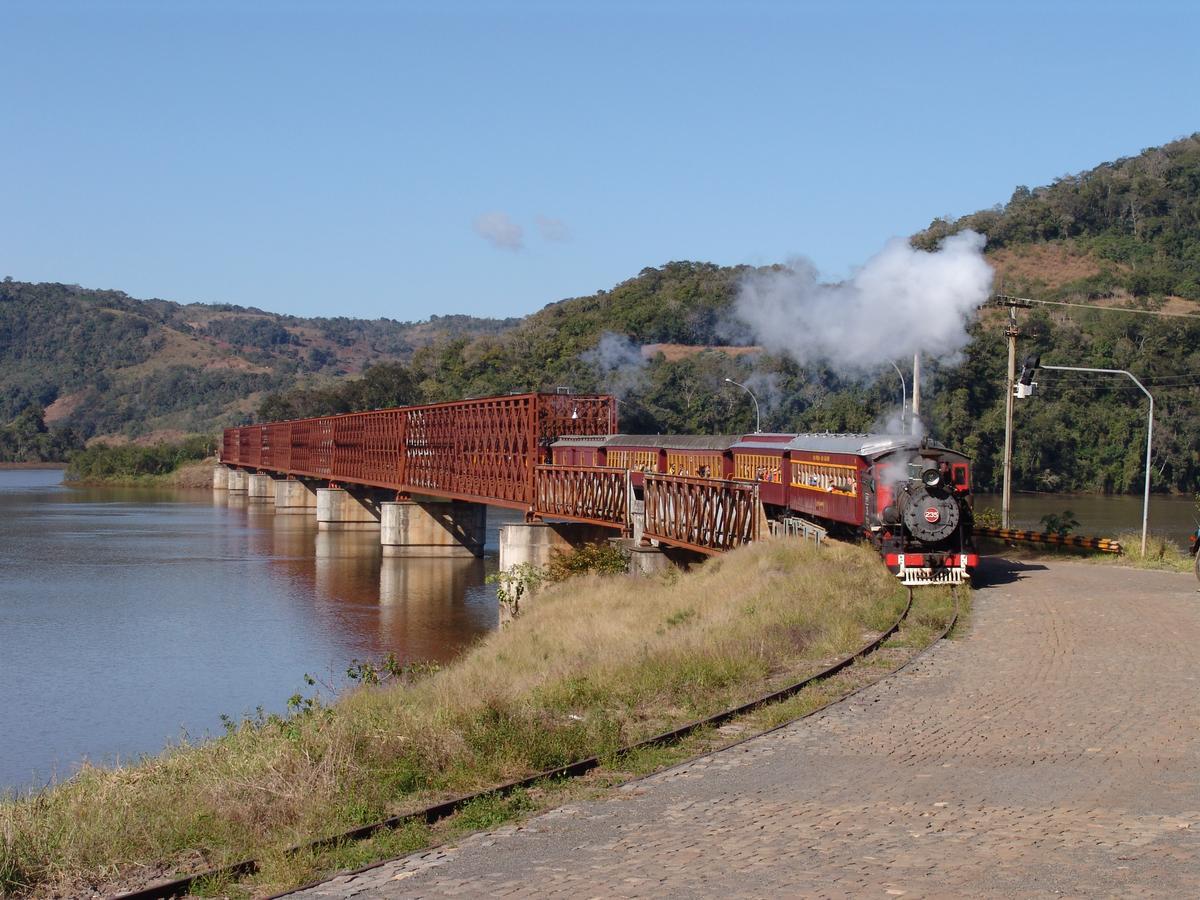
{"x": 102, "y": 362}
{"x": 1125, "y": 234}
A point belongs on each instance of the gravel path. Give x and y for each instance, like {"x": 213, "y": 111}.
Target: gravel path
{"x": 1055, "y": 750}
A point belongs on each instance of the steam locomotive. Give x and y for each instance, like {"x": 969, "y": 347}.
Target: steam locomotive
{"x": 909, "y": 497}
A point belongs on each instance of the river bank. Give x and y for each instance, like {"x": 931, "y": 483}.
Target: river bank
{"x": 188, "y": 475}
{"x": 592, "y": 665}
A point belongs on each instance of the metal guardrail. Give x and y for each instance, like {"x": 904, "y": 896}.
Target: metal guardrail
{"x": 583, "y": 493}
{"x": 794, "y": 526}
{"x": 700, "y": 513}
{"x": 1104, "y": 545}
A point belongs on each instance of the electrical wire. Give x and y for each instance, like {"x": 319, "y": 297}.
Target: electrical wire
{"x": 1124, "y": 309}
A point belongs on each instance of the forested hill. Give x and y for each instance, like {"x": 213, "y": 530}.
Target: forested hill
{"x": 1126, "y": 234}
{"x": 1130, "y": 226}
{"x": 105, "y": 363}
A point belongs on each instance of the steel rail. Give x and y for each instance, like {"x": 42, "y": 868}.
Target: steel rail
{"x": 744, "y": 740}
{"x": 431, "y": 814}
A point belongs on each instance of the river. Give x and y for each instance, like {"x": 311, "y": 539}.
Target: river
{"x": 131, "y": 617}
{"x": 1104, "y": 516}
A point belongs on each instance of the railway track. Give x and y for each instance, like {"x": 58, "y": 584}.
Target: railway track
{"x": 437, "y": 812}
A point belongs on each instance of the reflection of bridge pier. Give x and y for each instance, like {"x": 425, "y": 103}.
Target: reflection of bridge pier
{"x": 423, "y": 602}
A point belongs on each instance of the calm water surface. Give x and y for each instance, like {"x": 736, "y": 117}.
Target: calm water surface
{"x": 130, "y": 617}
{"x": 1171, "y": 517}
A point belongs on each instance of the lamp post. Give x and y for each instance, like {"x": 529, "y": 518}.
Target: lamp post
{"x": 757, "y": 417}
{"x": 903, "y": 394}
{"x": 1149, "y": 433}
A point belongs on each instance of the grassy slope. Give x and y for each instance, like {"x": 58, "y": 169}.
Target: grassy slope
{"x": 591, "y": 666}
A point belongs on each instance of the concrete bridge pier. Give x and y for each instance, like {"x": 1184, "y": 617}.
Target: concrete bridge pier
{"x": 340, "y": 510}
{"x": 221, "y": 477}
{"x": 446, "y": 529}
{"x": 260, "y": 486}
{"x": 294, "y": 497}
{"x": 237, "y": 481}
{"x": 536, "y": 542}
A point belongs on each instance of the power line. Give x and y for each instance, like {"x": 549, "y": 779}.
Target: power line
{"x": 1125, "y": 309}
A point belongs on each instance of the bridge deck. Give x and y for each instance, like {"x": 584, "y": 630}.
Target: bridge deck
{"x": 494, "y": 451}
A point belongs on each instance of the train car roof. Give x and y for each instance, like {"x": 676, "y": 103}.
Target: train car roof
{"x": 869, "y": 445}
{"x": 580, "y": 440}
{"x": 674, "y": 441}
{"x": 657, "y": 441}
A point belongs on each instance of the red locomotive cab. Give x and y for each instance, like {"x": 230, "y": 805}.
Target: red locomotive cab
{"x": 883, "y": 498}
{"x": 960, "y": 477}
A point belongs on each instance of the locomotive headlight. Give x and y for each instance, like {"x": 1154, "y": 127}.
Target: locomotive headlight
{"x": 931, "y": 478}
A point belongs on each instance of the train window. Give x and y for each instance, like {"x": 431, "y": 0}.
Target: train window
{"x": 704, "y": 465}
{"x": 959, "y": 471}
{"x": 638, "y": 460}
{"x": 756, "y": 467}
{"x": 830, "y": 479}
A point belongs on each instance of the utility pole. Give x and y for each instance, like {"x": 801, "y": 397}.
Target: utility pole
{"x": 916, "y": 418}
{"x": 1011, "y": 332}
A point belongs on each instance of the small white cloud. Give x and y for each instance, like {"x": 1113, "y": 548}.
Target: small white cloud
{"x": 553, "y": 229}
{"x": 500, "y": 231}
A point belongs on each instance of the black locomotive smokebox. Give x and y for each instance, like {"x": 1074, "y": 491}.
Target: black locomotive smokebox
{"x": 930, "y": 517}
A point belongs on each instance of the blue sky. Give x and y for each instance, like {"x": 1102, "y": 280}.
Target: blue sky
{"x": 377, "y": 159}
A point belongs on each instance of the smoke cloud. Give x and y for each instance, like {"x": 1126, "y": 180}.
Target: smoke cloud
{"x": 500, "y": 231}
{"x": 619, "y": 361}
{"x": 553, "y": 229}
{"x": 902, "y": 301}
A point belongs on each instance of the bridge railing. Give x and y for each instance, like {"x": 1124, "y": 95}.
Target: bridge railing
{"x": 484, "y": 450}
{"x": 701, "y": 514}
{"x": 584, "y": 493}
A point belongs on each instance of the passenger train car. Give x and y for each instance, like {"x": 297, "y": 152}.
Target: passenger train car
{"x": 910, "y": 497}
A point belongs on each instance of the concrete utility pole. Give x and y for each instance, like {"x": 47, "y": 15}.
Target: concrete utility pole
{"x": 916, "y": 423}
{"x": 1011, "y": 332}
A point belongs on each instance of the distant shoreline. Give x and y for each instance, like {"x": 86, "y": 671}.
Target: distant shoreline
{"x": 32, "y": 465}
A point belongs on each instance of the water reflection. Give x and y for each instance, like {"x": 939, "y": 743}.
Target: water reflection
{"x": 219, "y": 603}
{"x": 434, "y": 607}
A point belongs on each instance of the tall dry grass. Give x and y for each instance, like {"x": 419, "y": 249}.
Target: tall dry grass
{"x": 591, "y": 665}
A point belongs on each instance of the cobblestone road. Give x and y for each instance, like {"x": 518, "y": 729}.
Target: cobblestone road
{"x": 1055, "y": 750}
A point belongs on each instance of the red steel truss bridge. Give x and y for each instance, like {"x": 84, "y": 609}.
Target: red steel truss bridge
{"x": 496, "y": 451}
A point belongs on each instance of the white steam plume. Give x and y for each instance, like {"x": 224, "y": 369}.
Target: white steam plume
{"x": 902, "y": 301}
{"x": 619, "y": 361}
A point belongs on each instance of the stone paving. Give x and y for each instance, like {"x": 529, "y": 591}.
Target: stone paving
{"x": 1054, "y": 750}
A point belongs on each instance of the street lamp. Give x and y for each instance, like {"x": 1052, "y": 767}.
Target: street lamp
{"x": 903, "y": 394}
{"x": 1034, "y": 363}
{"x": 757, "y": 417}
